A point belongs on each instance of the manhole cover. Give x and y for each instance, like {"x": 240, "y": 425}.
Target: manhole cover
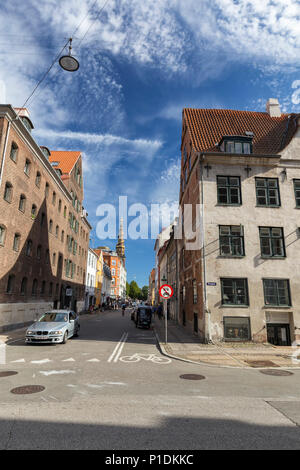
{"x": 261, "y": 363}
{"x": 26, "y": 389}
{"x": 7, "y": 373}
{"x": 276, "y": 372}
{"x": 192, "y": 377}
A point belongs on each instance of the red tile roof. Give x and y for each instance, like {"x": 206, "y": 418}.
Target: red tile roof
{"x": 208, "y": 126}
{"x": 66, "y": 159}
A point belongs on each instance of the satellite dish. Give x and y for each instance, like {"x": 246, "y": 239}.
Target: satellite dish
{"x": 68, "y": 62}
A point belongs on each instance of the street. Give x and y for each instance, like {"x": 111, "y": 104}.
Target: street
{"x": 111, "y": 388}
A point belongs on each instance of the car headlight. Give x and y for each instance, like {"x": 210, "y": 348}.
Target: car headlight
{"x": 30, "y": 332}
{"x": 56, "y": 332}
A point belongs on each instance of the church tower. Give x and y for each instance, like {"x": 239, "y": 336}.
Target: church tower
{"x": 120, "y": 248}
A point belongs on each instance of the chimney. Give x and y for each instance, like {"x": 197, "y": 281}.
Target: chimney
{"x": 273, "y": 108}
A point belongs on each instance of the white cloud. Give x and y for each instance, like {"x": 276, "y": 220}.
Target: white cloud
{"x": 102, "y": 139}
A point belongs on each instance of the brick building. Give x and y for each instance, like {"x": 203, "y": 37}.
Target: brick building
{"x": 243, "y": 169}
{"x": 44, "y": 232}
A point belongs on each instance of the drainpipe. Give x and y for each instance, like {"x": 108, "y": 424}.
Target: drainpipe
{"x": 4, "y": 152}
{"x": 205, "y": 306}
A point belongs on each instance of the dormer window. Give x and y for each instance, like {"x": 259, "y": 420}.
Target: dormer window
{"x": 236, "y": 144}
{"x": 27, "y": 123}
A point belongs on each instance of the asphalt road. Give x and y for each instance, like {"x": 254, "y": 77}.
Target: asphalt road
{"x": 112, "y": 389}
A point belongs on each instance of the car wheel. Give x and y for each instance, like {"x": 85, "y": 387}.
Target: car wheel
{"x": 65, "y": 337}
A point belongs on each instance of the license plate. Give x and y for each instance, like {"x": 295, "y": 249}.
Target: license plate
{"x": 42, "y": 337}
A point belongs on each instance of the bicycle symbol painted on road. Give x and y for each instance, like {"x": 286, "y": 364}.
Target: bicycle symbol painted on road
{"x": 146, "y": 357}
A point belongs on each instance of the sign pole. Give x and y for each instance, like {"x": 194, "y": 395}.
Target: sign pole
{"x": 166, "y": 322}
{"x": 166, "y": 293}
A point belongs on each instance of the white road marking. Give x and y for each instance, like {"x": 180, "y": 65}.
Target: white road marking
{"x": 93, "y": 360}
{"x": 43, "y": 398}
{"x": 114, "y": 383}
{"x": 71, "y": 385}
{"x": 55, "y": 372}
{"x": 18, "y": 360}
{"x": 116, "y": 348}
{"x": 69, "y": 360}
{"x": 42, "y": 361}
{"x": 121, "y": 348}
{"x": 54, "y": 398}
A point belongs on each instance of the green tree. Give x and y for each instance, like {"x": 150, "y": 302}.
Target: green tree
{"x": 127, "y": 288}
{"x": 145, "y": 292}
{"x": 134, "y": 290}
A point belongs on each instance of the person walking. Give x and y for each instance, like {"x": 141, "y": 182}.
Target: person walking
{"x": 123, "y": 310}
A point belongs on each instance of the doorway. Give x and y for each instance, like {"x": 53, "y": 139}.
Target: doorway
{"x": 279, "y": 335}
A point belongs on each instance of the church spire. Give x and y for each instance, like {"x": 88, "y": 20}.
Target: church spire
{"x": 120, "y": 248}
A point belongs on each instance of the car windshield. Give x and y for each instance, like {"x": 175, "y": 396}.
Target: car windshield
{"x": 54, "y": 317}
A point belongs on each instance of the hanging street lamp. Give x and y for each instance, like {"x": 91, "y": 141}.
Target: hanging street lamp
{"x": 68, "y": 62}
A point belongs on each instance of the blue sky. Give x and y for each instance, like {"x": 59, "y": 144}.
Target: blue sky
{"x": 140, "y": 64}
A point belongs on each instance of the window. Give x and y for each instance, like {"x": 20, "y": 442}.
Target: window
{"x": 65, "y": 211}
{"x": 8, "y": 192}
{"x": 237, "y": 328}
{"x": 53, "y": 197}
{"x": 59, "y": 205}
{"x": 267, "y": 192}
{"x": 56, "y": 288}
{"x": 47, "y": 258}
{"x": 56, "y": 230}
{"x": 113, "y": 262}
{"x": 22, "y": 203}
{"x": 113, "y": 272}
{"x": 28, "y": 249}
{"x": 51, "y": 288}
{"x": 47, "y": 190}
{"x": 229, "y": 190}
{"x": 297, "y": 192}
{"x": 195, "y": 293}
{"x": 62, "y": 237}
{"x": 54, "y": 259}
{"x": 10, "y": 284}
{"x": 234, "y": 291}
{"x": 184, "y": 155}
{"x": 39, "y": 252}
{"x": 23, "y": 286}
{"x": 38, "y": 179}
{"x": 13, "y": 152}
{"x": 231, "y": 240}
{"x": 16, "y": 244}
{"x": 237, "y": 147}
{"x": 50, "y": 225}
{"x": 34, "y": 287}
{"x": 27, "y": 167}
{"x": 43, "y": 288}
{"x": 68, "y": 266}
{"x": 2, "y": 234}
{"x": 277, "y": 292}
{"x": 43, "y": 217}
{"x": 272, "y": 242}
{"x": 33, "y": 211}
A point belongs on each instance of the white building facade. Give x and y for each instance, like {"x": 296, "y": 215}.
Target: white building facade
{"x": 90, "y": 280}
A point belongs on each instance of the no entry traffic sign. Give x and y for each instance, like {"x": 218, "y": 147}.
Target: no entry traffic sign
{"x": 166, "y": 291}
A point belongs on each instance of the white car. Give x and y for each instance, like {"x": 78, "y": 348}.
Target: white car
{"x": 56, "y": 326}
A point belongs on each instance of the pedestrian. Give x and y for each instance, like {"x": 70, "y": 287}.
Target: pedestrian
{"x": 123, "y": 309}
{"x": 159, "y": 311}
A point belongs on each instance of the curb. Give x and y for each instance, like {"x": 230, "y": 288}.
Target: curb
{"x": 165, "y": 353}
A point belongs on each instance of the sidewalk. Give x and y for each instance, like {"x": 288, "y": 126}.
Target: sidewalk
{"x": 184, "y": 346}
